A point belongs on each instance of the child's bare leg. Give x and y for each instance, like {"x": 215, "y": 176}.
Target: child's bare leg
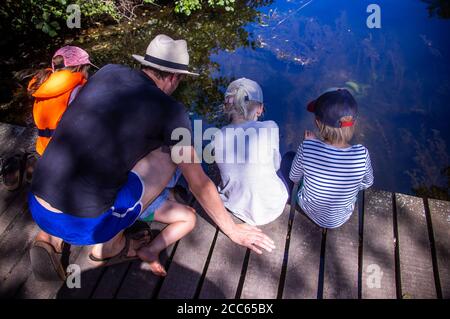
{"x": 309, "y": 135}
{"x": 180, "y": 219}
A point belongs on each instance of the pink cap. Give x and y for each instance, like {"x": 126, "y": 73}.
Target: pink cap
{"x": 73, "y": 56}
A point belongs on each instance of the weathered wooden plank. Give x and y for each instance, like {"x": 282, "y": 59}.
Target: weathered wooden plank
{"x": 139, "y": 282}
{"x": 224, "y": 269}
{"x": 378, "y": 265}
{"x": 106, "y": 279}
{"x": 14, "y": 243}
{"x": 416, "y": 268}
{"x": 9, "y": 134}
{"x": 6, "y": 198}
{"x": 263, "y": 271}
{"x": 16, "y": 207}
{"x": 35, "y": 289}
{"x": 440, "y": 217}
{"x": 110, "y": 281}
{"x": 302, "y": 273}
{"x": 341, "y": 260}
{"x": 14, "y": 138}
{"x": 90, "y": 275}
{"x": 188, "y": 262}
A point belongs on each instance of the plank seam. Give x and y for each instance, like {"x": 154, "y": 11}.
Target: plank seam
{"x": 240, "y": 286}
{"x": 284, "y": 265}
{"x": 286, "y": 254}
{"x": 321, "y": 278}
{"x": 160, "y": 282}
{"x": 205, "y": 267}
{"x": 97, "y": 282}
{"x": 23, "y": 210}
{"x": 398, "y": 276}
{"x": 10, "y": 201}
{"x": 361, "y": 211}
{"x": 437, "y": 280}
{"x": 122, "y": 280}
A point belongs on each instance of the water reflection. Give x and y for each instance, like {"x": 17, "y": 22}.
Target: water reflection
{"x": 207, "y": 32}
{"x": 399, "y": 75}
{"x": 440, "y": 8}
{"x": 298, "y": 48}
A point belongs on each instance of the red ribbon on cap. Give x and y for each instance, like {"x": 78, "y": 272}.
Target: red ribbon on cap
{"x": 346, "y": 123}
{"x": 311, "y": 106}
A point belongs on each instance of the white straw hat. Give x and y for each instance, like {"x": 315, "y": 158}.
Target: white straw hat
{"x": 166, "y": 54}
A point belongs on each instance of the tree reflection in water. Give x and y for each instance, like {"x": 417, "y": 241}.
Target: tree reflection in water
{"x": 440, "y": 8}
{"x": 206, "y": 32}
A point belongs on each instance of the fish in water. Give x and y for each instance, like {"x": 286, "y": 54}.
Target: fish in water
{"x": 354, "y": 87}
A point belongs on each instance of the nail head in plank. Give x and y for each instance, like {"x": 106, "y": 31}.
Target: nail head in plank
{"x": 304, "y": 259}
{"x": 341, "y": 260}
{"x": 263, "y": 271}
{"x": 440, "y": 216}
{"x": 378, "y": 273}
{"x": 417, "y": 279}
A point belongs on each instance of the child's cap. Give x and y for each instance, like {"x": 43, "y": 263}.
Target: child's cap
{"x": 253, "y": 90}
{"x": 72, "y": 56}
{"x": 331, "y": 106}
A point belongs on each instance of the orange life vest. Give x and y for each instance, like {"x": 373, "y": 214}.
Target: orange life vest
{"x": 51, "y": 100}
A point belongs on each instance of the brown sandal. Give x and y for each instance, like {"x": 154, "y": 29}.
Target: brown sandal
{"x": 12, "y": 172}
{"x": 30, "y": 164}
{"x": 122, "y": 257}
{"x": 47, "y": 263}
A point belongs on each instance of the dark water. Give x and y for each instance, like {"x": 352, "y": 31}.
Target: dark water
{"x": 297, "y": 49}
{"x": 399, "y": 74}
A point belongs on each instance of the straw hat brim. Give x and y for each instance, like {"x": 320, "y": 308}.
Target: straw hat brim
{"x": 142, "y": 60}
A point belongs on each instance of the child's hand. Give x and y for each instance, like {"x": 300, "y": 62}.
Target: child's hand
{"x": 310, "y": 135}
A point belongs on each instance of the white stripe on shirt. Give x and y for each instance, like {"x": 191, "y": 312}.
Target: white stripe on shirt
{"x": 332, "y": 178}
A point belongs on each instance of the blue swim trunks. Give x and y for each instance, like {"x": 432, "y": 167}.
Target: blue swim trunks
{"x": 127, "y": 208}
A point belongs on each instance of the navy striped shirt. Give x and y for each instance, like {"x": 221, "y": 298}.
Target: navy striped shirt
{"x": 332, "y": 178}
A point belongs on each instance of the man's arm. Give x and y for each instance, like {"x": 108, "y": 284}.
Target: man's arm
{"x": 206, "y": 194}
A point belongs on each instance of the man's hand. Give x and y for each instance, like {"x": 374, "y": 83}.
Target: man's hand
{"x": 251, "y": 237}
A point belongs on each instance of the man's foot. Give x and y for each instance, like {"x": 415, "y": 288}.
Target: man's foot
{"x": 55, "y": 242}
{"x": 118, "y": 244}
{"x": 152, "y": 260}
{"x": 49, "y": 257}
{"x": 310, "y": 135}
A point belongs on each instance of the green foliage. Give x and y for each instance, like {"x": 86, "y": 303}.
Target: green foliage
{"x": 189, "y": 6}
{"x": 49, "y": 16}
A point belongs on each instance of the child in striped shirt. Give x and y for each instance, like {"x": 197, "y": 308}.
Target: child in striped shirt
{"x": 331, "y": 170}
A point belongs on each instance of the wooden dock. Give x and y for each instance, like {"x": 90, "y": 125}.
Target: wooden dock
{"x": 394, "y": 246}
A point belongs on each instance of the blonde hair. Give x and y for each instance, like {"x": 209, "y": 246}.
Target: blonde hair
{"x": 42, "y": 75}
{"x": 337, "y": 135}
{"x": 237, "y": 105}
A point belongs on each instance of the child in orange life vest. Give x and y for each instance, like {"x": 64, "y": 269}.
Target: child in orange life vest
{"x": 54, "y": 89}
